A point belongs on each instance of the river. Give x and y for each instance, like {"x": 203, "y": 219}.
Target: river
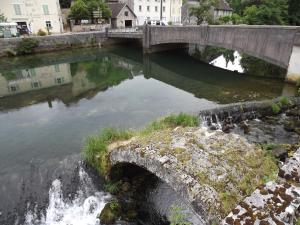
{"x": 50, "y": 102}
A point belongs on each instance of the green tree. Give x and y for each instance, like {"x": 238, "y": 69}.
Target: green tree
{"x": 203, "y": 12}
{"x": 95, "y": 5}
{"x": 233, "y": 19}
{"x": 271, "y": 12}
{"x": 294, "y": 12}
{"x": 79, "y": 10}
{"x": 2, "y": 17}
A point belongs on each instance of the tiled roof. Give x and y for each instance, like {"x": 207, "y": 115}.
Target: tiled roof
{"x": 115, "y": 8}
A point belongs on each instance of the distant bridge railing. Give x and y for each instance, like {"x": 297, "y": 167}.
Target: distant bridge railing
{"x": 138, "y": 29}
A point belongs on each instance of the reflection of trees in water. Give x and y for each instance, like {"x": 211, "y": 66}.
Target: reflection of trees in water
{"x": 102, "y": 72}
{"x": 251, "y": 65}
{"x": 259, "y": 67}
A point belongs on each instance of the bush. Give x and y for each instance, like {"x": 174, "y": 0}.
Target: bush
{"x": 276, "y": 108}
{"x": 41, "y": 33}
{"x": 284, "y": 101}
{"x": 27, "y": 46}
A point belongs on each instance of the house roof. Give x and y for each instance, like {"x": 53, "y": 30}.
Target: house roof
{"x": 116, "y": 8}
{"x": 223, "y": 5}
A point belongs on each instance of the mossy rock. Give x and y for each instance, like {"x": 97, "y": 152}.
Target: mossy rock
{"x": 108, "y": 215}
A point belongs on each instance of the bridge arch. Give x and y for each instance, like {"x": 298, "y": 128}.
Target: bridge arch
{"x": 186, "y": 186}
{"x": 274, "y": 44}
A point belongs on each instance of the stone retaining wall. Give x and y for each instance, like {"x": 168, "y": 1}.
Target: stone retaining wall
{"x": 56, "y": 42}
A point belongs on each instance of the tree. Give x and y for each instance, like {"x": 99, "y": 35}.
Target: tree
{"x": 2, "y": 18}
{"x": 271, "y": 12}
{"x": 79, "y": 10}
{"x": 294, "y": 12}
{"x": 95, "y": 5}
{"x": 203, "y": 12}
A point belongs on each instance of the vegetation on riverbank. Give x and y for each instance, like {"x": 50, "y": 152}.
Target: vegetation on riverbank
{"x": 96, "y": 147}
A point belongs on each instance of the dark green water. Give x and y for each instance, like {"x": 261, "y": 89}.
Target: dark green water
{"x": 50, "y": 102}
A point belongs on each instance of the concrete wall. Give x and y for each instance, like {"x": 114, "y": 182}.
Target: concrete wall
{"x": 273, "y": 44}
{"x": 57, "y": 42}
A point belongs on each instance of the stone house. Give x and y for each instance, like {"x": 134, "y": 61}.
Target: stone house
{"x": 34, "y": 15}
{"x": 222, "y": 9}
{"x": 122, "y": 15}
{"x": 168, "y": 11}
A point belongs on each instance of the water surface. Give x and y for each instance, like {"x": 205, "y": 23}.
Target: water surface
{"x": 50, "y": 102}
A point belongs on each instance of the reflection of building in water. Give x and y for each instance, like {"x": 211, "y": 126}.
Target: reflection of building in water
{"x": 20, "y": 81}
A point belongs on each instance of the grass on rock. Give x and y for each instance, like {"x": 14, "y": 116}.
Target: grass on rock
{"x": 96, "y": 147}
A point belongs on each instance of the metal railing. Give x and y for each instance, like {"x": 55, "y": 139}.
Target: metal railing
{"x": 137, "y": 29}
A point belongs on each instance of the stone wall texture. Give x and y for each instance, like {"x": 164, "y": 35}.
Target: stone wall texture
{"x": 56, "y": 42}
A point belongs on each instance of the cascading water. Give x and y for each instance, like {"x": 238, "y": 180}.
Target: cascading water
{"x": 83, "y": 209}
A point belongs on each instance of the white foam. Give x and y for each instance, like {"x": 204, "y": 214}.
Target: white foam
{"x": 83, "y": 210}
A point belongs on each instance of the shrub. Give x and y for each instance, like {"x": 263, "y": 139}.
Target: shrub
{"x": 284, "y": 101}
{"x": 177, "y": 217}
{"x": 276, "y": 108}
{"x": 41, "y": 33}
{"x": 27, "y": 46}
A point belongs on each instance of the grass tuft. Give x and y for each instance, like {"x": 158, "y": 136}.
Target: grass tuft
{"x": 96, "y": 152}
{"x": 95, "y": 149}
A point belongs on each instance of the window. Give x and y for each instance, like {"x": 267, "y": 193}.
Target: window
{"x": 156, "y": 8}
{"x": 46, "y": 9}
{"x": 17, "y": 9}
{"x": 140, "y": 8}
{"x": 56, "y": 67}
{"x": 59, "y": 80}
{"x": 48, "y": 24}
{"x": 148, "y": 8}
{"x": 126, "y": 13}
{"x": 36, "y": 84}
{"x": 164, "y": 8}
{"x": 13, "y": 88}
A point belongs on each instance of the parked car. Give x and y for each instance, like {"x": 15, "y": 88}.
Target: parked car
{"x": 156, "y": 23}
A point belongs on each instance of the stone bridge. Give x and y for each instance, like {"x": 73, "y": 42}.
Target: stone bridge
{"x": 279, "y": 45}
{"x": 211, "y": 170}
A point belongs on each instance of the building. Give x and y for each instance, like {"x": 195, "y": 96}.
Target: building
{"x": 34, "y": 14}
{"x": 222, "y": 9}
{"x": 168, "y": 11}
{"x": 24, "y": 80}
{"x": 122, "y": 15}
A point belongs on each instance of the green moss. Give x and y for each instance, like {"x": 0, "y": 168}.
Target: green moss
{"x": 228, "y": 200}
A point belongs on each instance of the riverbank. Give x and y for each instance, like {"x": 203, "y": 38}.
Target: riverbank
{"x": 56, "y": 42}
